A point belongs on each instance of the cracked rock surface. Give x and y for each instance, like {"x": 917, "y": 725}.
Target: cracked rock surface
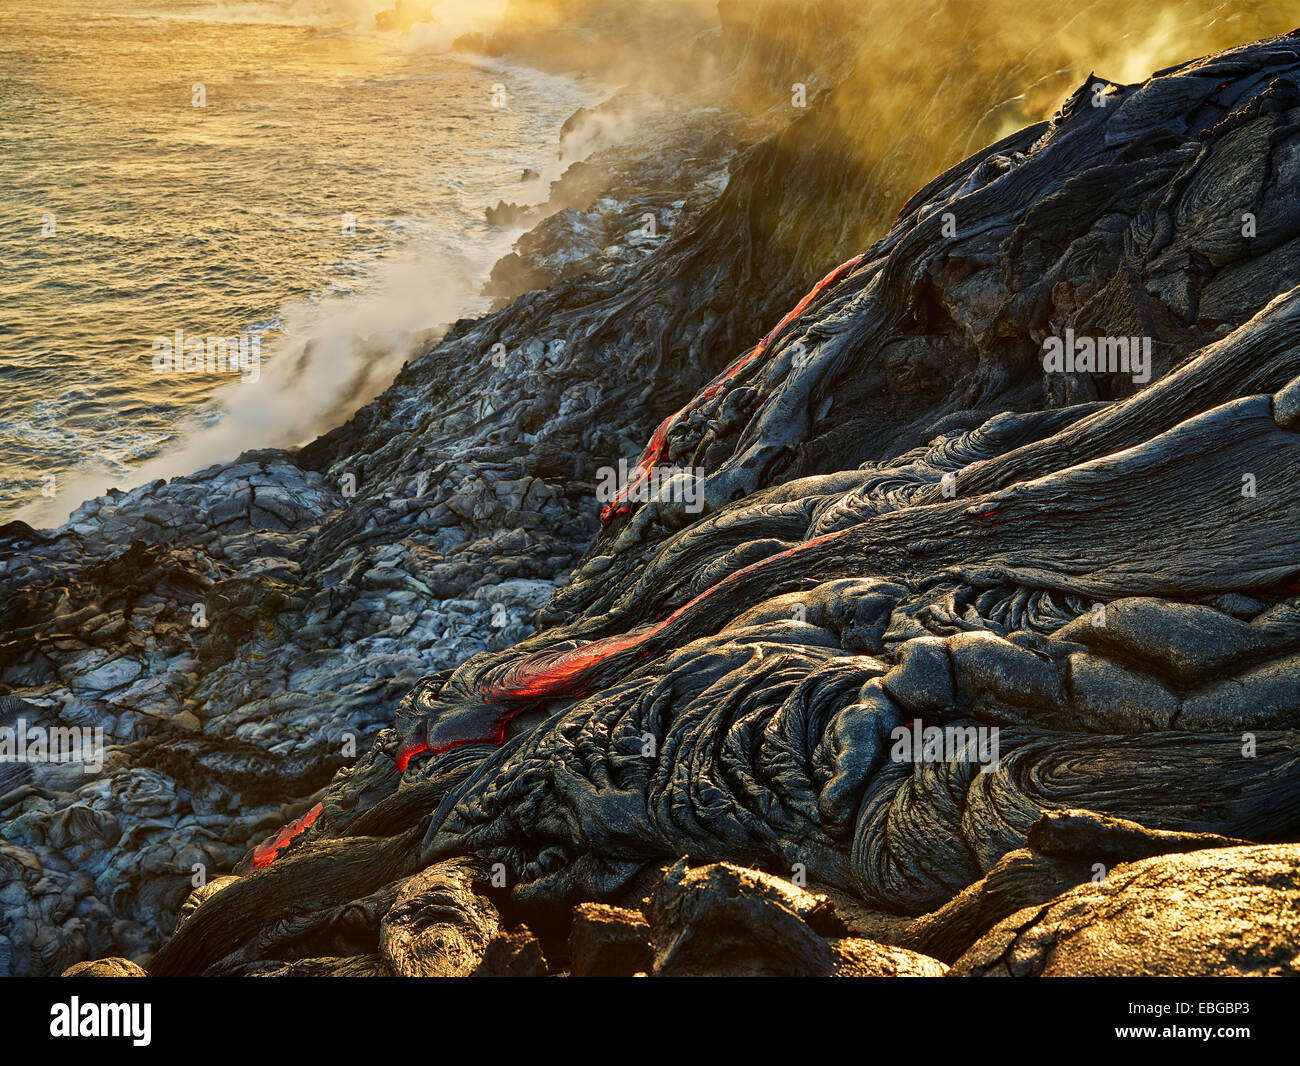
{"x": 903, "y": 519}
{"x": 1230, "y": 912}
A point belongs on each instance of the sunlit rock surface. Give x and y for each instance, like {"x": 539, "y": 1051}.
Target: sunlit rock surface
{"x": 884, "y": 511}
{"x": 1232, "y": 912}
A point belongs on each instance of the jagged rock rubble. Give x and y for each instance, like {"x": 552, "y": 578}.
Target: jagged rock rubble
{"x": 447, "y": 727}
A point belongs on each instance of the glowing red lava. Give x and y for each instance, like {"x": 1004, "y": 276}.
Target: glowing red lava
{"x": 483, "y": 723}
{"x": 265, "y": 853}
{"x": 654, "y": 450}
{"x": 551, "y": 674}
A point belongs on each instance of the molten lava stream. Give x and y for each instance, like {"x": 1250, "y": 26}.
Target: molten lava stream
{"x": 550, "y": 675}
{"x": 659, "y": 438}
{"x": 265, "y": 853}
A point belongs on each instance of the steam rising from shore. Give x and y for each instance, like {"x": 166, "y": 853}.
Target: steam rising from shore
{"x": 939, "y": 78}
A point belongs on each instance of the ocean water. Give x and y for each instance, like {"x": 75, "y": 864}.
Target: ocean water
{"x": 128, "y": 213}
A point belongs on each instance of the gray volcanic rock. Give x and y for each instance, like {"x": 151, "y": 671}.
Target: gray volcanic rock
{"x": 619, "y": 206}
{"x": 1227, "y": 912}
{"x": 242, "y": 633}
{"x": 769, "y": 646}
{"x": 889, "y": 516}
{"x": 907, "y": 520}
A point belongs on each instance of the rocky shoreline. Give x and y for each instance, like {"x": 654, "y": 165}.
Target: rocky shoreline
{"x": 444, "y": 716}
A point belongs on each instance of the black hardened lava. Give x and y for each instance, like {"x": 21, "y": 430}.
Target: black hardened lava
{"x": 903, "y": 517}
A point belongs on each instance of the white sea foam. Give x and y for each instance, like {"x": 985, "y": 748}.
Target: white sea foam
{"x": 325, "y": 356}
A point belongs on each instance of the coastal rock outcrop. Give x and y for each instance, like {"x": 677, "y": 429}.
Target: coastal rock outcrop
{"x": 882, "y": 592}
